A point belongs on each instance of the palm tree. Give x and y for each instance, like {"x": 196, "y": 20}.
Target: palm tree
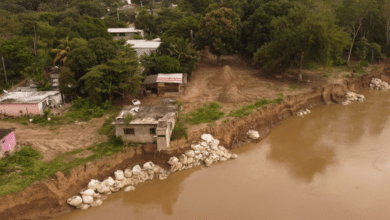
{"x": 64, "y": 48}
{"x": 186, "y": 54}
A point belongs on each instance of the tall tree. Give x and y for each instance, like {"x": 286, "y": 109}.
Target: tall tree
{"x": 186, "y": 53}
{"x": 104, "y": 49}
{"x": 352, "y": 14}
{"x": 302, "y": 36}
{"x": 80, "y": 60}
{"x": 220, "y": 30}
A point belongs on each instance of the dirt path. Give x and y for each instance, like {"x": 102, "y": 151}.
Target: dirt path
{"x": 63, "y": 139}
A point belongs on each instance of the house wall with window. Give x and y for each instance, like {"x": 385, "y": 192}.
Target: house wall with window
{"x": 142, "y": 133}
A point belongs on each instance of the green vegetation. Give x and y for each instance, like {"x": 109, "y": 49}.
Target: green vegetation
{"x": 127, "y": 119}
{"x": 85, "y": 109}
{"x": 180, "y": 130}
{"x": 247, "y": 110}
{"x": 206, "y": 114}
{"x": 25, "y": 166}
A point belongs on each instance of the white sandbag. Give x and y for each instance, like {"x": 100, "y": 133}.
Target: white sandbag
{"x": 253, "y": 134}
{"x": 87, "y": 199}
{"x": 74, "y": 200}
{"x": 183, "y": 159}
{"x": 127, "y": 181}
{"x": 97, "y": 202}
{"x": 114, "y": 189}
{"x": 144, "y": 176}
{"x": 157, "y": 169}
{"x": 93, "y": 184}
{"x": 129, "y": 188}
{"x": 88, "y": 192}
{"x": 234, "y": 156}
{"x": 118, "y": 184}
{"x": 103, "y": 189}
{"x": 173, "y": 160}
{"x": 148, "y": 165}
{"x": 203, "y": 144}
{"x": 190, "y": 153}
{"x": 208, "y": 162}
{"x": 119, "y": 175}
{"x": 190, "y": 160}
{"x": 195, "y": 147}
{"x": 137, "y": 170}
{"x": 150, "y": 174}
{"x": 207, "y": 137}
{"x": 109, "y": 181}
{"x": 223, "y": 159}
{"x": 214, "y": 144}
{"x": 128, "y": 173}
{"x": 83, "y": 206}
{"x": 162, "y": 176}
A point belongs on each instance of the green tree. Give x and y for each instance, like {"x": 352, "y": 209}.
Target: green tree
{"x": 167, "y": 64}
{"x": 182, "y": 27}
{"x": 113, "y": 22}
{"x": 80, "y": 60}
{"x": 94, "y": 27}
{"x": 67, "y": 82}
{"x": 103, "y": 48}
{"x": 91, "y": 8}
{"x": 146, "y": 22}
{"x": 220, "y": 30}
{"x": 166, "y": 17}
{"x": 185, "y": 53}
{"x": 386, "y": 15}
{"x": 64, "y": 48}
{"x": 302, "y": 36}
{"x": 196, "y": 6}
{"x": 16, "y": 54}
{"x": 352, "y": 14}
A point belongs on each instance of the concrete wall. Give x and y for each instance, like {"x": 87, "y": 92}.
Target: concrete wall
{"x": 142, "y": 133}
{"x": 142, "y": 51}
{"x": 13, "y": 109}
{"x": 8, "y": 143}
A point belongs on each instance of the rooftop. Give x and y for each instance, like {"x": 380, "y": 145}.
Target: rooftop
{"x": 26, "y": 97}
{"x": 164, "y": 78}
{"x": 123, "y": 30}
{"x": 143, "y": 44}
{"x": 146, "y": 114}
{"x": 5, "y": 131}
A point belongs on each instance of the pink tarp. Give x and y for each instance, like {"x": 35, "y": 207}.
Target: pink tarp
{"x": 9, "y": 142}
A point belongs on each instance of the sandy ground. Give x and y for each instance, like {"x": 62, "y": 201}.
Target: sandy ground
{"x": 63, "y": 139}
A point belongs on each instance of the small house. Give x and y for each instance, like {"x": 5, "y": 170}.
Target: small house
{"x": 147, "y": 124}
{"x": 7, "y": 141}
{"x": 165, "y": 84}
{"x": 124, "y": 33}
{"x": 143, "y": 47}
{"x": 28, "y": 103}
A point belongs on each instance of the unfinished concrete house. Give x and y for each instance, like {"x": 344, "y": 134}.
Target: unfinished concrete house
{"x": 165, "y": 84}
{"x": 124, "y": 33}
{"x": 28, "y": 103}
{"x": 149, "y": 124}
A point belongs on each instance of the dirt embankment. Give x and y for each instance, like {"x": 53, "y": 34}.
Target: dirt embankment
{"x": 48, "y": 198}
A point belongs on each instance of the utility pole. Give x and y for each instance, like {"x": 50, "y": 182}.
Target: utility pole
{"x": 5, "y": 72}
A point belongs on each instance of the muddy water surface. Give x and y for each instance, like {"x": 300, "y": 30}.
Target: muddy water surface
{"x": 332, "y": 164}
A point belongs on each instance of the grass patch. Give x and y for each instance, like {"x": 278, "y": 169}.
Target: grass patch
{"x": 24, "y": 167}
{"x": 180, "y": 130}
{"x": 206, "y": 114}
{"x": 107, "y": 127}
{"x": 247, "y": 110}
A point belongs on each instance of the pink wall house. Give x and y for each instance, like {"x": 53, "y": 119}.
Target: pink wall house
{"x": 7, "y": 140}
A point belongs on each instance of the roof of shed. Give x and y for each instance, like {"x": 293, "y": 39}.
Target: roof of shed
{"x": 123, "y": 30}
{"x": 143, "y": 44}
{"x": 164, "y": 78}
{"x": 5, "y": 131}
{"x": 26, "y": 97}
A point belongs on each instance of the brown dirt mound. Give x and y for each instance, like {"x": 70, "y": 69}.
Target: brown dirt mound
{"x": 225, "y": 78}
{"x": 232, "y": 95}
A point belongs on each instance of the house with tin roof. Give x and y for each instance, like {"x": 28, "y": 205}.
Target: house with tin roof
{"x": 18, "y": 104}
{"x": 165, "y": 84}
{"x": 144, "y": 47}
{"x": 147, "y": 124}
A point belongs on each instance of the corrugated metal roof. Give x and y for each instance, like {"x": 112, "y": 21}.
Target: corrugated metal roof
{"x": 170, "y": 78}
{"x": 123, "y": 30}
{"x": 150, "y": 79}
{"x": 143, "y": 44}
{"x": 26, "y": 97}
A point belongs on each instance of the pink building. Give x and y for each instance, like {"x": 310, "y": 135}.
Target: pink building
{"x": 7, "y": 140}
{"x": 28, "y": 103}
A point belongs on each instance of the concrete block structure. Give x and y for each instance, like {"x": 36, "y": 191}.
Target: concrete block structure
{"x": 149, "y": 124}
{"x": 124, "y": 33}
{"x": 28, "y": 103}
{"x": 144, "y": 47}
{"x": 7, "y": 141}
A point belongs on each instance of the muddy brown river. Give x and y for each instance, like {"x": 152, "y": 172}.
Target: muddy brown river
{"x": 332, "y": 164}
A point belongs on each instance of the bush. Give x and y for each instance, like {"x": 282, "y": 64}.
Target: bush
{"x": 180, "y": 130}
{"x": 364, "y": 63}
{"x": 206, "y": 114}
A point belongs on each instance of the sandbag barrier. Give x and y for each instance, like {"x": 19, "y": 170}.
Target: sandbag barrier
{"x": 207, "y": 152}
{"x": 301, "y": 113}
{"x": 352, "y": 97}
{"x": 378, "y": 84}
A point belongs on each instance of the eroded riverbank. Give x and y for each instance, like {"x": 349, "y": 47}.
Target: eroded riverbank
{"x": 48, "y": 198}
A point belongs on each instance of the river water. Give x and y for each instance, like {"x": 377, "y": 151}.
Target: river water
{"x": 332, "y": 164}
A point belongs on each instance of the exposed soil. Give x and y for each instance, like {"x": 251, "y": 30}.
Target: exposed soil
{"x": 62, "y": 139}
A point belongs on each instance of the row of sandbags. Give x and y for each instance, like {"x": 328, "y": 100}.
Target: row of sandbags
{"x": 253, "y": 134}
{"x": 97, "y": 191}
{"x": 303, "y": 112}
{"x": 352, "y": 97}
{"x": 378, "y": 84}
{"x": 208, "y": 152}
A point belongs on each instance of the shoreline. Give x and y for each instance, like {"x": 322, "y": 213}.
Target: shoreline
{"x": 47, "y": 199}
